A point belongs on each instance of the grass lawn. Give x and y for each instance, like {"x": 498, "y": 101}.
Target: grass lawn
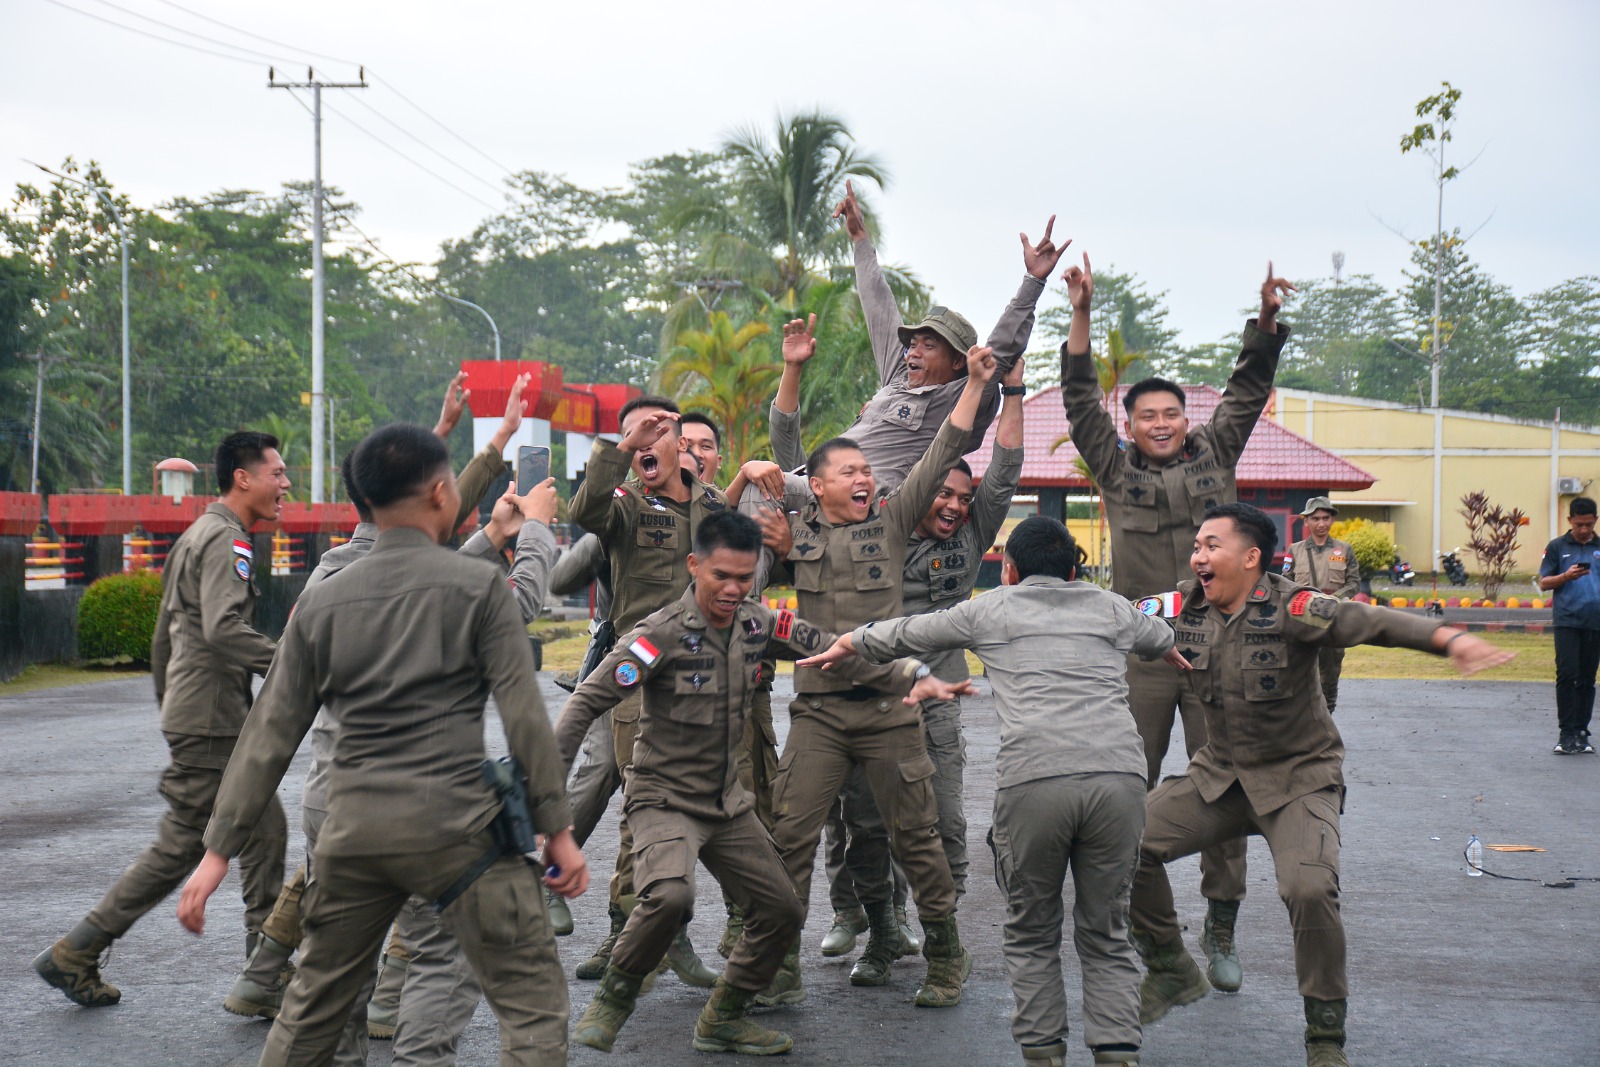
{"x": 55, "y": 675}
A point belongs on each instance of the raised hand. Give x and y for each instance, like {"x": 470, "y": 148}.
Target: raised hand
{"x": 505, "y": 519}
{"x": 764, "y": 475}
{"x": 648, "y": 430}
{"x": 1040, "y": 259}
{"x": 539, "y": 505}
{"x": 799, "y": 340}
{"x": 775, "y": 532}
{"x": 980, "y": 364}
{"x": 455, "y": 403}
{"x": 1272, "y": 296}
{"x": 1080, "y": 286}
{"x": 850, "y": 211}
{"x": 516, "y": 407}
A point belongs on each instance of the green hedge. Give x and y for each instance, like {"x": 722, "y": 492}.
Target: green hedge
{"x": 117, "y": 616}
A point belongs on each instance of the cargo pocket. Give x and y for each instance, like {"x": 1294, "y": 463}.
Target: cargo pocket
{"x": 507, "y": 905}
{"x": 660, "y": 861}
{"x": 1270, "y": 684}
{"x": 1136, "y": 509}
{"x": 916, "y": 809}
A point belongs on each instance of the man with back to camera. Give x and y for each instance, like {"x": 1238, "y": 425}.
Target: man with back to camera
{"x": 403, "y": 647}
{"x": 1568, "y": 571}
{"x": 1070, "y": 776}
{"x": 1273, "y": 760}
{"x": 1155, "y": 490}
{"x": 1327, "y": 565}
{"x": 202, "y": 654}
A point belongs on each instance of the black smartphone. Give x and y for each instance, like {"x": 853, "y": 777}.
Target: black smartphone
{"x": 1583, "y": 566}
{"x": 533, "y": 467}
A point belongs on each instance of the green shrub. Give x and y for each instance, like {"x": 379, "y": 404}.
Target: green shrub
{"x": 117, "y": 616}
{"x": 1375, "y": 551}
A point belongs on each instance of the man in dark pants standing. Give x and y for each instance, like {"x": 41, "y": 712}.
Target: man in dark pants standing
{"x": 1568, "y": 572}
{"x": 203, "y": 652}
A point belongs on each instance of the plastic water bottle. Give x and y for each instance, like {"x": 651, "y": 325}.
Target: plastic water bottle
{"x": 1474, "y": 857}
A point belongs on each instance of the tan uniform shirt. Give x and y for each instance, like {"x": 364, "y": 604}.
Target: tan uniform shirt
{"x": 404, "y": 649}
{"x": 1155, "y": 511}
{"x": 697, "y": 684}
{"x": 1267, "y": 726}
{"x": 205, "y": 647}
{"x": 848, "y": 575}
{"x": 1330, "y": 568}
{"x": 895, "y": 426}
{"x": 646, "y": 538}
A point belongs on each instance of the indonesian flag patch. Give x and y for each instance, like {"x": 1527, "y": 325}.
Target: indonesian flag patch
{"x": 1163, "y": 605}
{"x": 645, "y": 651}
{"x": 619, "y": 492}
{"x": 242, "y": 547}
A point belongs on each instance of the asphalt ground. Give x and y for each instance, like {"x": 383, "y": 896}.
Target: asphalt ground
{"x": 1445, "y": 969}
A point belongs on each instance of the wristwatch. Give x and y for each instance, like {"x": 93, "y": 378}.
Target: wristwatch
{"x": 921, "y": 672}
{"x": 1013, "y": 390}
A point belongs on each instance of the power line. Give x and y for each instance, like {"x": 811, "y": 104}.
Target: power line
{"x": 256, "y": 36}
{"x": 464, "y": 169}
{"x": 420, "y": 166}
{"x": 190, "y": 33}
{"x": 152, "y": 36}
{"x": 391, "y": 87}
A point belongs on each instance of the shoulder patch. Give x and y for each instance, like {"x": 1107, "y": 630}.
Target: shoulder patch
{"x": 619, "y": 492}
{"x": 241, "y": 547}
{"x": 626, "y": 674}
{"x": 1297, "y": 603}
{"x": 1162, "y": 605}
{"x": 646, "y": 651}
{"x": 241, "y": 567}
{"x": 784, "y": 625}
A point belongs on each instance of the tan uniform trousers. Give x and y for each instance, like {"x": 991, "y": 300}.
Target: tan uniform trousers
{"x": 190, "y": 785}
{"x": 1087, "y": 825}
{"x": 1330, "y": 661}
{"x": 1304, "y": 838}
{"x": 624, "y": 732}
{"x": 1154, "y": 690}
{"x": 740, "y": 854}
{"x": 500, "y": 922}
{"x": 758, "y": 760}
{"x": 827, "y": 735}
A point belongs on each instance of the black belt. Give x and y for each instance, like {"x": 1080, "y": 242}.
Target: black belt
{"x": 860, "y": 692}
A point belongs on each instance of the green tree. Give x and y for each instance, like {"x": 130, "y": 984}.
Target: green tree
{"x": 1430, "y": 137}
{"x": 729, "y": 373}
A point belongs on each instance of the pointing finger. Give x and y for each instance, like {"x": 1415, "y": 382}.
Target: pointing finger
{"x": 1048, "y": 227}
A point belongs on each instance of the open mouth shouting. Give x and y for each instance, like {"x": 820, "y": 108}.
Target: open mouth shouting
{"x": 946, "y": 522}
{"x": 1206, "y": 576}
{"x": 861, "y": 500}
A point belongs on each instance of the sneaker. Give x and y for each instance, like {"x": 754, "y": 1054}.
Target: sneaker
{"x": 1565, "y": 746}
{"x": 1581, "y": 744}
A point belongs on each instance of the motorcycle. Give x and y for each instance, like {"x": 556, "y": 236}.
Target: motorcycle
{"x": 1401, "y": 573}
{"x": 1454, "y": 571}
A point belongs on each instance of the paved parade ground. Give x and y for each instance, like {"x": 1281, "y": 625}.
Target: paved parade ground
{"x": 1444, "y": 969}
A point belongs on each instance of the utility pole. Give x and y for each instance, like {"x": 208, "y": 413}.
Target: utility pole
{"x": 38, "y": 410}
{"x": 318, "y": 291}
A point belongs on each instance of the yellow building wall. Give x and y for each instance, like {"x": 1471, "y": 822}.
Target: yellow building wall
{"x": 1353, "y": 429}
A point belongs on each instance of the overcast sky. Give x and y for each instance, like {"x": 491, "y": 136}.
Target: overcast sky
{"x": 1188, "y": 142}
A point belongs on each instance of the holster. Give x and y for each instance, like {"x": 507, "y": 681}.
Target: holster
{"x": 512, "y": 826}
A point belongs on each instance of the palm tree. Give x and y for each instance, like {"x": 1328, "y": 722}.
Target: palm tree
{"x": 729, "y": 373}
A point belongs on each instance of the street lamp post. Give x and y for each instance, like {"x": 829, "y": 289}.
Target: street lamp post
{"x": 485, "y": 314}
{"x": 127, "y": 389}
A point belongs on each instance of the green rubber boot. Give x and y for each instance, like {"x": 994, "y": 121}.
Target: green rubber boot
{"x": 910, "y": 943}
{"x": 610, "y": 1008}
{"x": 686, "y": 963}
{"x": 725, "y": 1026}
{"x": 1216, "y": 941}
{"x": 595, "y": 966}
{"x": 258, "y": 991}
{"x": 1325, "y": 1033}
{"x": 732, "y": 932}
{"x": 1174, "y": 978}
{"x": 840, "y": 939}
{"x": 383, "y": 1008}
{"x": 72, "y": 965}
{"x": 883, "y": 946}
{"x": 948, "y": 964}
{"x": 560, "y": 914}
{"x": 786, "y": 987}
{"x": 1054, "y": 1055}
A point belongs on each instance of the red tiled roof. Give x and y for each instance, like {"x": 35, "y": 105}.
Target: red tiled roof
{"x": 1275, "y": 458}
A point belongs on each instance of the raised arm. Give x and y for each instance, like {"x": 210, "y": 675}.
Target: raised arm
{"x": 594, "y": 505}
{"x": 1094, "y": 431}
{"x": 619, "y": 674}
{"x": 1250, "y": 384}
{"x": 877, "y": 299}
{"x": 536, "y": 548}
{"x": 579, "y": 565}
{"x": 918, "y": 635}
{"x": 476, "y": 477}
{"x": 799, "y": 345}
{"x": 992, "y": 501}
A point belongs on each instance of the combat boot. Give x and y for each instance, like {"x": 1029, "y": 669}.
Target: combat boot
{"x": 910, "y": 943}
{"x": 725, "y": 1026}
{"x": 732, "y": 932}
{"x": 610, "y": 1008}
{"x": 72, "y": 965}
{"x": 1325, "y": 1033}
{"x": 258, "y": 991}
{"x": 840, "y": 939}
{"x": 883, "y": 946}
{"x": 1173, "y": 979}
{"x": 1116, "y": 1057}
{"x": 560, "y": 914}
{"x": 686, "y": 964}
{"x": 383, "y": 1010}
{"x": 1054, "y": 1055}
{"x": 786, "y": 987}
{"x": 948, "y": 964}
{"x": 1216, "y": 941}
{"x": 595, "y": 966}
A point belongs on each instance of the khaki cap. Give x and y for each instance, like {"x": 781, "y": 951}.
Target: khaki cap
{"x": 954, "y": 328}
{"x": 1319, "y": 503}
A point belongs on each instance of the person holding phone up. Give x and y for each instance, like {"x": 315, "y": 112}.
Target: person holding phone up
{"x": 1568, "y": 572}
